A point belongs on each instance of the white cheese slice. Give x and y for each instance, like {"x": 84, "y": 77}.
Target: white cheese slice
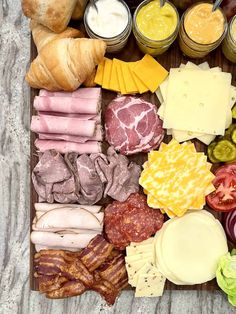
{"x": 232, "y": 96}
{"x": 204, "y": 66}
{"x": 192, "y": 107}
{"x": 146, "y": 255}
{"x": 132, "y": 268}
{"x": 148, "y": 268}
{"x": 150, "y": 285}
{"x": 159, "y": 95}
{"x": 148, "y": 241}
{"x": 192, "y": 246}
{"x": 139, "y": 249}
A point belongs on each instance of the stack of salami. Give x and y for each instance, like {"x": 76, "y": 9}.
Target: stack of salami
{"x": 68, "y": 122}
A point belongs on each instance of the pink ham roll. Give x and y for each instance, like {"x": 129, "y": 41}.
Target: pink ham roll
{"x": 98, "y": 136}
{"x": 62, "y": 125}
{"x": 67, "y": 104}
{"x": 68, "y": 147}
{"x": 96, "y": 117}
{"x": 88, "y": 93}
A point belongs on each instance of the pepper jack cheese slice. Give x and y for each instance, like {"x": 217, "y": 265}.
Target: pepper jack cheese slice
{"x": 150, "y": 286}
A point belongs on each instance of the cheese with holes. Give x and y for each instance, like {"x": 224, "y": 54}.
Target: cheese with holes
{"x": 190, "y": 106}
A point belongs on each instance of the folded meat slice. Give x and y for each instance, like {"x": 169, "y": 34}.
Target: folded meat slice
{"x": 95, "y": 253}
{"x": 69, "y": 289}
{"x": 67, "y": 104}
{"x": 50, "y": 169}
{"x": 119, "y": 174}
{"x": 98, "y": 136}
{"x": 71, "y": 218}
{"x": 63, "y": 125}
{"x": 45, "y": 207}
{"x": 91, "y": 187}
{"x": 48, "y": 239}
{"x": 86, "y": 93}
{"x": 64, "y": 147}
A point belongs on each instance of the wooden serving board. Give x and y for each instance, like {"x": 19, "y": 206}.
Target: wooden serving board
{"x": 172, "y": 58}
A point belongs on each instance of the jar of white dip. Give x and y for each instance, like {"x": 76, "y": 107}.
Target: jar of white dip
{"x": 112, "y": 23}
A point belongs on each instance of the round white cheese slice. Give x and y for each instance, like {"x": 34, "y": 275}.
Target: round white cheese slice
{"x": 191, "y": 247}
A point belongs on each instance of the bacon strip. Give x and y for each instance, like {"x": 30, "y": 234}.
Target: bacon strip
{"x": 50, "y": 283}
{"x": 95, "y": 253}
{"x": 69, "y": 289}
{"x": 107, "y": 290}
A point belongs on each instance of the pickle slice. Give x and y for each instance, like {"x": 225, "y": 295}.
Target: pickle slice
{"x": 229, "y": 131}
{"x": 234, "y": 112}
{"x": 210, "y": 152}
{"x": 224, "y": 151}
{"x": 233, "y": 136}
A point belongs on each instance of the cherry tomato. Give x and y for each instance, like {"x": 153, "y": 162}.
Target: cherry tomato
{"x": 224, "y": 197}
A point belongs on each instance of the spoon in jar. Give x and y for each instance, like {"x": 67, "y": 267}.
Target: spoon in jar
{"x": 93, "y": 3}
{"x": 162, "y": 3}
{"x": 216, "y": 5}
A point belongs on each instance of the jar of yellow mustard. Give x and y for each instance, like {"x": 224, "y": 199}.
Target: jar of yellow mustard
{"x": 155, "y": 27}
{"x": 201, "y": 30}
{"x": 229, "y": 43}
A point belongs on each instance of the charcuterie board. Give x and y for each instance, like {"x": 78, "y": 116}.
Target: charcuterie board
{"x": 171, "y": 59}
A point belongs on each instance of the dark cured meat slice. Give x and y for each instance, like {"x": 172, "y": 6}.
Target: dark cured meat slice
{"x": 131, "y": 221}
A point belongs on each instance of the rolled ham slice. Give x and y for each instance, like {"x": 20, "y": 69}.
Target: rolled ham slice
{"x": 64, "y": 147}
{"x": 96, "y": 117}
{"x": 78, "y": 241}
{"x": 67, "y": 104}
{"x": 45, "y": 207}
{"x": 69, "y": 218}
{"x": 88, "y": 93}
{"x": 98, "y": 136}
{"x": 62, "y": 125}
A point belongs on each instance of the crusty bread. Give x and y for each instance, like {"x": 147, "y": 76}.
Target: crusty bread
{"x": 54, "y": 14}
{"x": 65, "y": 64}
{"x": 79, "y": 9}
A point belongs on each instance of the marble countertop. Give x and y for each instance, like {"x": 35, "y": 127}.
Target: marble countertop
{"x": 15, "y": 294}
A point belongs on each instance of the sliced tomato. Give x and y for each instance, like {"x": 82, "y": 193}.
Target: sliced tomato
{"x": 224, "y": 197}
{"x": 231, "y": 168}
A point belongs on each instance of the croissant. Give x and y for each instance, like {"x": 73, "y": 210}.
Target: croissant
{"x": 43, "y": 35}
{"x": 79, "y": 9}
{"x": 65, "y": 64}
{"x": 54, "y": 14}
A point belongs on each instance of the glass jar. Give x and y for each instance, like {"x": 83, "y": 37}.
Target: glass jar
{"x": 192, "y": 48}
{"x": 114, "y": 43}
{"x": 229, "y": 43}
{"x": 148, "y": 45}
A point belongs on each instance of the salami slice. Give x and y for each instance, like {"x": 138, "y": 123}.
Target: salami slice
{"x": 131, "y": 221}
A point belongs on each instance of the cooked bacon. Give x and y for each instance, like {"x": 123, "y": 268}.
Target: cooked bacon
{"x": 69, "y": 289}
{"x": 67, "y": 264}
{"x": 50, "y": 283}
{"x": 106, "y": 290}
{"x": 114, "y": 271}
{"x": 95, "y": 253}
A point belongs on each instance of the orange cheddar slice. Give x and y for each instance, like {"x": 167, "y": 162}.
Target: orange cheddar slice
{"x": 114, "y": 82}
{"x": 142, "y": 88}
{"x": 130, "y": 85}
{"x": 99, "y": 74}
{"x": 107, "y": 74}
{"x": 150, "y": 72}
{"x": 120, "y": 77}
